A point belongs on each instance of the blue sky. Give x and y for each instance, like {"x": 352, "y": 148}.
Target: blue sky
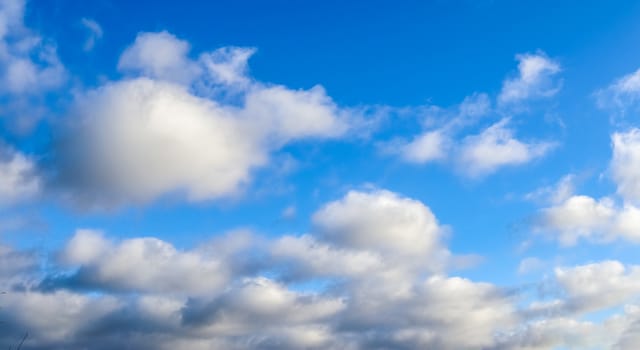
{"x": 280, "y": 174}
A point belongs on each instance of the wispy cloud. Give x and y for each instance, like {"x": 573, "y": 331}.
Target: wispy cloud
{"x": 94, "y": 33}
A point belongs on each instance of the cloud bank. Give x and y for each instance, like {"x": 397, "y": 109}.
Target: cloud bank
{"x": 370, "y": 254}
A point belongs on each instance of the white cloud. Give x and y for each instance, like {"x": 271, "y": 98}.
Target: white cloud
{"x": 625, "y": 165}
{"x": 622, "y": 94}
{"x": 145, "y": 293}
{"x": 535, "y": 79}
{"x": 19, "y": 178}
{"x": 496, "y": 147}
{"x": 599, "y": 285}
{"x": 383, "y": 222}
{"x": 627, "y": 223}
{"x": 160, "y": 295}
{"x": 259, "y": 304}
{"x": 293, "y": 114}
{"x": 228, "y": 65}
{"x": 430, "y": 146}
{"x": 94, "y": 33}
{"x": 439, "y": 312}
{"x": 162, "y": 55}
{"x": 311, "y": 257}
{"x": 607, "y": 287}
{"x": 380, "y": 245}
{"x": 159, "y": 56}
{"x": 143, "y": 264}
{"x": 29, "y": 65}
{"x": 437, "y": 144}
{"x": 369, "y": 237}
{"x": 596, "y": 220}
{"x": 30, "y": 70}
{"x": 154, "y": 136}
{"x": 11, "y": 14}
{"x": 473, "y": 106}
{"x": 573, "y": 217}
{"x": 554, "y": 194}
{"x": 579, "y": 217}
{"x": 568, "y": 333}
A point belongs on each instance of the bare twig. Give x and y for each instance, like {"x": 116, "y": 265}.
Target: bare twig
{"x": 26, "y": 334}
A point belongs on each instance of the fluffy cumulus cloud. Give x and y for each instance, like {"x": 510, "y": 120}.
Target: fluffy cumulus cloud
{"x": 535, "y": 79}
{"x": 598, "y": 285}
{"x": 369, "y": 254}
{"x": 159, "y": 55}
{"x": 374, "y": 237}
{"x": 578, "y": 217}
{"x": 581, "y": 217}
{"x": 595, "y": 220}
{"x": 177, "y": 125}
{"x": 143, "y": 138}
{"x": 497, "y": 147}
{"x": 140, "y": 264}
{"x": 19, "y": 177}
{"x": 572, "y": 217}
{"x": 381, "y": 221}
{"x": 376, "y": 252}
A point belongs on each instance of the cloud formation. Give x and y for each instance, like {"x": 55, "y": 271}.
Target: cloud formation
{"x": 572, "y": 217}
{"x": 625, "y": 165}
{"x": 19, "y": 177}
{"x": 159, "y": 56}
{"x": 485, "y": 150}
{"x": 370, "y": 254}
{"x": 28, "y": 63}
{"x": 141, "y": 264}
{"x": 496, "y": 147}
{"x": 151, "y": 134}
{"x": 30, "y": 70}
{"x": 622, "y": 95}
{"x": 535, "y": 79}
{"x": 94, "y": 31}
{"x": 373, "y": 271}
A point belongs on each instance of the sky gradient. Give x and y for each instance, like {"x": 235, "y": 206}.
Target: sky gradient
{"x": 319, "y": 175}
